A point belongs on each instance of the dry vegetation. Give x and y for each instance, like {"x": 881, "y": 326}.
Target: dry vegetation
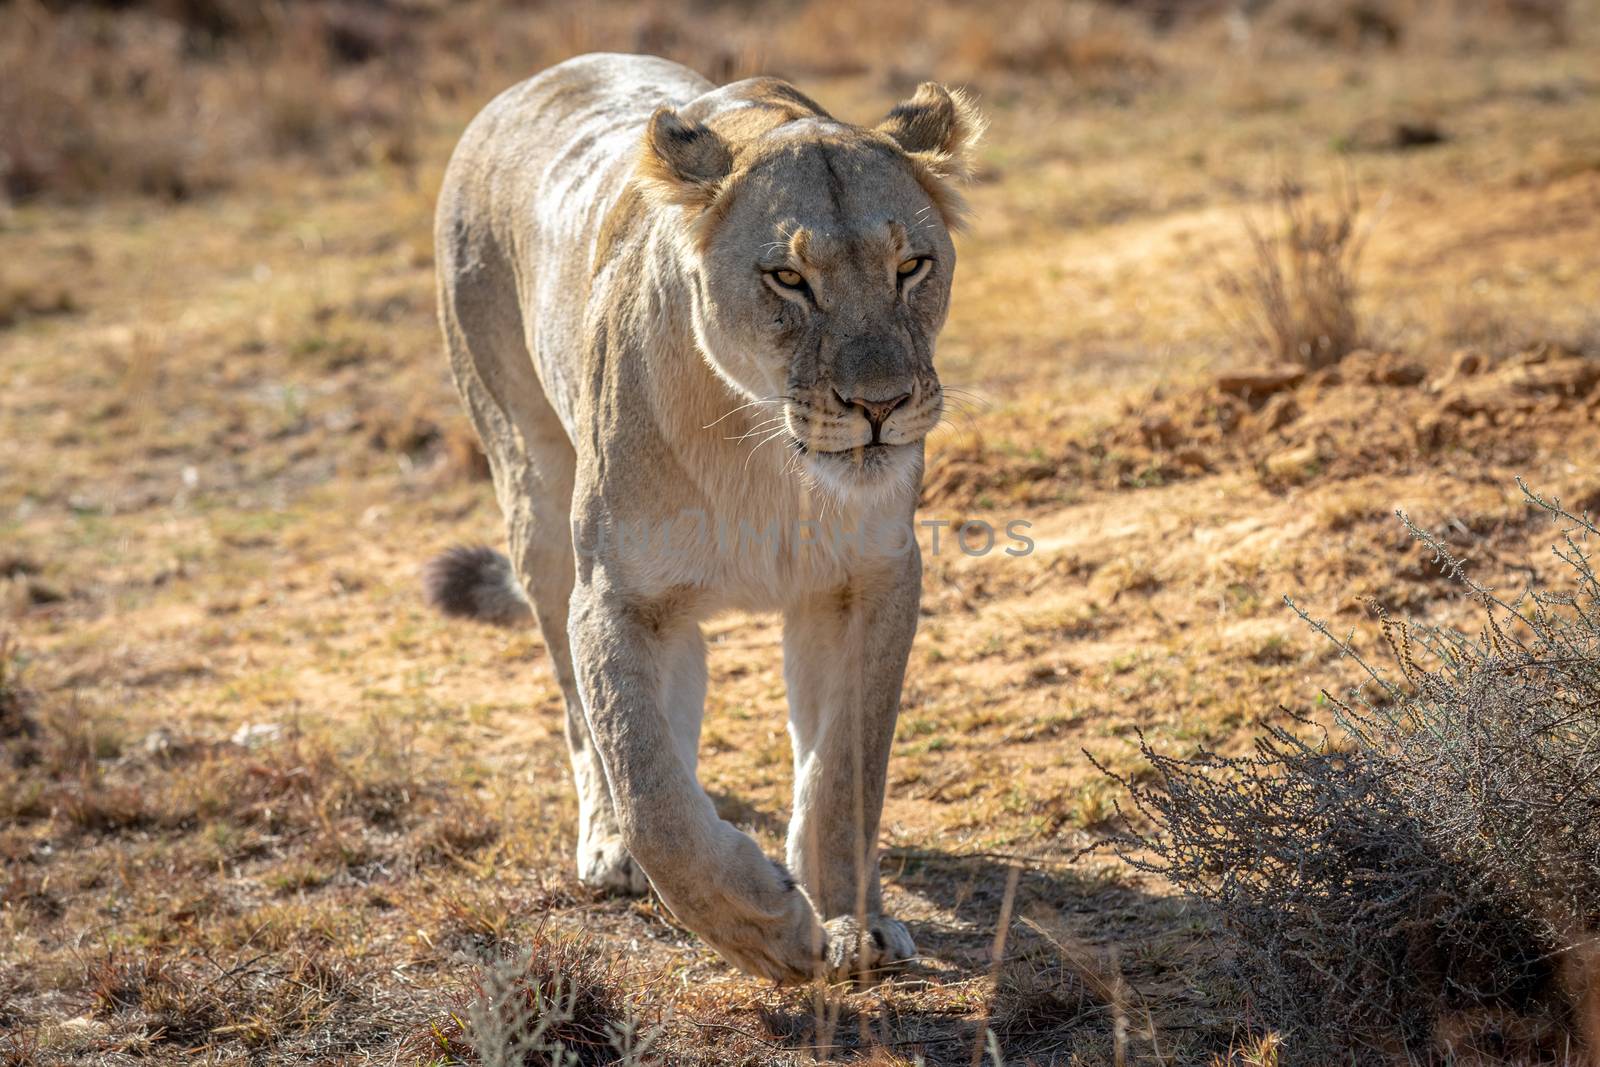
{"x": 1424, "y": 880}
{"x": 257, "y": 805}
{"x": 1298, "y": 298}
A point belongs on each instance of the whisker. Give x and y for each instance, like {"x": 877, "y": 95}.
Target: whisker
{"x": 768, "y": 431}
{"x": 765, "y": 440}
{"x": 741, "y": 407}
{"x": 768, "y": 422}
{"x": 955, "y": 409}
{"x": 966, "y": 403}
{"x": 967, "y": 396}
{"x": 758, "y": 428}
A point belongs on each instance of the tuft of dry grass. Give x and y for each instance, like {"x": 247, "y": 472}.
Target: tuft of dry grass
{"x": 1265, "y": 1051}
{"x": 156, "y": 1003}
{"x": 557, "y": 1001}
{"x": 1296, "y": 301}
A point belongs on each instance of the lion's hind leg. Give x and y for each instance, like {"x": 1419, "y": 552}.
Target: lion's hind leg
{"x": 533, "y": 464}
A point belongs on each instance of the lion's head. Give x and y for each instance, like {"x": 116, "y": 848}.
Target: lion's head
{"x": 821, "y": 263}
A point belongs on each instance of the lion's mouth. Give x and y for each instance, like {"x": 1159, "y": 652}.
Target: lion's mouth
{"x": 864, "y": 468}
{"x": 858, "y": 465}
{"x": 843, "y": 453}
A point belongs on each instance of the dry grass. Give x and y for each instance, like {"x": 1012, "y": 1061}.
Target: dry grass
{"x": 1465, "y": 25}
{"x": 1423, "y": 881}
{"x": 175, "y": 100}
{"x": 178, "y": 99}
{"x": 1297, "y": 299}
{"x": 557, "y": 1002}
{"x": 172, "y": 102}
{"x": 22, "y": 302}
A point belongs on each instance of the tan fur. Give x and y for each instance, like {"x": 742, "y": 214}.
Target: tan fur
{"x": 606, "y": 235}
{"x": 682, "y": 162}
{"x": 939, "y": 128}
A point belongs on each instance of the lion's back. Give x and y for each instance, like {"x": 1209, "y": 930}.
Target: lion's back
{"x": 529, "y": 186}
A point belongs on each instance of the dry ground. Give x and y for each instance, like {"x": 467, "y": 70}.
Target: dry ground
{"x": 258, "y": 805}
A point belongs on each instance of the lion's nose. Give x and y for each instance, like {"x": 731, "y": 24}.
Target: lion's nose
{"x": 876, "y": 411}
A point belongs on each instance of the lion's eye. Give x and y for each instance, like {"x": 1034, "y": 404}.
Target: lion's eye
{"x": 910, "y": 270}
{"x": 789, "y": 279}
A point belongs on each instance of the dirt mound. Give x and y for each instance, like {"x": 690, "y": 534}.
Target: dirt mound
{"x": 1376, "y": 413}
{"x": 1370, "y": 414}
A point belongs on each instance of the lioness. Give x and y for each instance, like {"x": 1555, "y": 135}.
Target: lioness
{"x": 671, "y": 306}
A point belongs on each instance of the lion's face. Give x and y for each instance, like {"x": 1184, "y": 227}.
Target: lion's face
{"x": 824, "y": 288}
{"x": 823, "y": 270}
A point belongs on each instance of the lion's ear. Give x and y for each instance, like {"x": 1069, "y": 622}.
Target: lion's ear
{"x": 939, "y": 126}
{"x": 683, "y": 162}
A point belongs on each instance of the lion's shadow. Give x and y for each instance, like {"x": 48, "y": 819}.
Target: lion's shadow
{"x": 1086, "y": 957}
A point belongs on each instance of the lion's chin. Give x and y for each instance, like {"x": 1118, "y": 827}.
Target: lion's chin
{"x": 869, "y": 474}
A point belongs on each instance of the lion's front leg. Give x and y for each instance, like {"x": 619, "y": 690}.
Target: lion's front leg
{"x": 844, "y": 661}
{"x": 715, "y": 879}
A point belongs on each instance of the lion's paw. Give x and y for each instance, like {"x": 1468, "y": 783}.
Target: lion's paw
{"x": 857, "y": 951}
{"x": 605, "y": 865}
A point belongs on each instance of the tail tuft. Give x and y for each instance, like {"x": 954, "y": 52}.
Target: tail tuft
{"x": 475, "y": 582}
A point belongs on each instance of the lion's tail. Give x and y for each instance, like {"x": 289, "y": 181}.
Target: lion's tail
{"x": 476, "y": 582}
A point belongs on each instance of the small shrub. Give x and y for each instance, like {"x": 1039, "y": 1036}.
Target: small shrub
{"x": 1495, "y": 739}
{"x": 556, "y": 1003}
{"x": 1429, "y": 876}
{"x": 1352, "y": 928}
{"x": 1296, "y": 300}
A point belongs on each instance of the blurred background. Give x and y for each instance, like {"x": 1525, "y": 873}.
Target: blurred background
{"x": 176, "y": 99}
